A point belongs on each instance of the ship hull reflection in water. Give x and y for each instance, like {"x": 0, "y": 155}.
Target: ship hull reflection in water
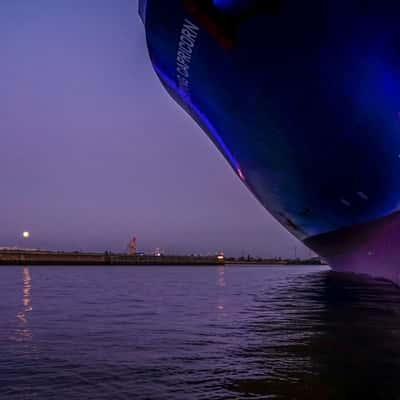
{"x": 330, "y": 337}
{"x": 232, "y": 332}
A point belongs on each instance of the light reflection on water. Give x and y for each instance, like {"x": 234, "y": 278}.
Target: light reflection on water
{"x": 221, "y": 285}
{"x": 23, "y": 333}
{"x": 197, "y": 333}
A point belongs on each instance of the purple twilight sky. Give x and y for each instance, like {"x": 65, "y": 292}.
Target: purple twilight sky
{"x": 93, "y": 149}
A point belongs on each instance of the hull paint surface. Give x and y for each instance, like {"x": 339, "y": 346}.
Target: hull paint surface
{"x": 304, "y": 103}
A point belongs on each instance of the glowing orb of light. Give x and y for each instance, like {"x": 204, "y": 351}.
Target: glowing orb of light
{"x": 26, "y": 234}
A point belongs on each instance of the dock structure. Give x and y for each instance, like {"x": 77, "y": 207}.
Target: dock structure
{"x": 39, "y": 257}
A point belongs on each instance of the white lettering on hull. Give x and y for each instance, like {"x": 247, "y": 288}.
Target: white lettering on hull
{"x": 187, "y": 41}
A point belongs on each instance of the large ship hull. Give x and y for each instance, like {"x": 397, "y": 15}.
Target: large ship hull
{"x": 304, "y": 103}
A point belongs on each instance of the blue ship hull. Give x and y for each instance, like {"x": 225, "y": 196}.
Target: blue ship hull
{"x": 304, "y": 103}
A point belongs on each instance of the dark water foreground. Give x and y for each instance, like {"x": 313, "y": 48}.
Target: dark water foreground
{"x": 196, "y": 333}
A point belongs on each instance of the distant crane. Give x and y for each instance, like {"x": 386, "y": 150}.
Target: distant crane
{"x": 132, "y": 247}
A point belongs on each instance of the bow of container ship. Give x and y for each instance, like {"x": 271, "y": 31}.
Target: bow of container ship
{"x": 303, "y": 100}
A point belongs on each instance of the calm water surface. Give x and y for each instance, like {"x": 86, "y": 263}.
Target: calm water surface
{"x": 187, "y": 333}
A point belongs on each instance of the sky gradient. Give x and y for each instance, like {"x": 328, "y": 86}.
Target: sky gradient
{"x": 93, "y": 150}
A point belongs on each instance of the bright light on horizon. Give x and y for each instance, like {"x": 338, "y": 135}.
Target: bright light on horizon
{"x": 26, "y": 234}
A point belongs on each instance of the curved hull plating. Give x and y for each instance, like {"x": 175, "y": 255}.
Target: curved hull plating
{"x": 304, "y": 103}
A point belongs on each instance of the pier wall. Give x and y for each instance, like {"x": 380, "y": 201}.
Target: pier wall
{"x": 11, "y": 257}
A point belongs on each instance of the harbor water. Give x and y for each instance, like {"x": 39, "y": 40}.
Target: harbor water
{"x": 221, "y": 332}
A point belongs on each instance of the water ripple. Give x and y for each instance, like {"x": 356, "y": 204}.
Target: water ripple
{"x": 197, "y": 333}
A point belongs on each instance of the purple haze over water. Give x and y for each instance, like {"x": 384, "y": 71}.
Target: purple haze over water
{"x": 93, "y": 150}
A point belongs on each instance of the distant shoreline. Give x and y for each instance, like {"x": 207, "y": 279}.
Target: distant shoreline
{"x": 44, "y": 257}
{"x": 268, "y": 262}
{"x": 40, "y": 257}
